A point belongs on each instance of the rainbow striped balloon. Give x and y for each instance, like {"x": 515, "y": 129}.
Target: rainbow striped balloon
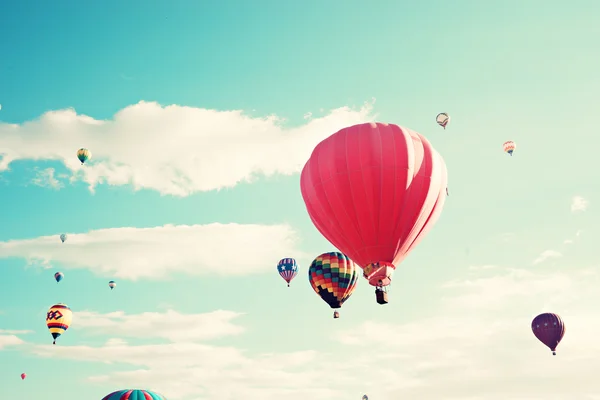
{"x": 333, "y": 277}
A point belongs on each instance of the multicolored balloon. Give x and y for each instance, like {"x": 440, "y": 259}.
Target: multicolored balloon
{"x": 59, "y": 276}
{"x": 63, "y": 237}
{"x": 83, "y": 155}
{"x": 134, "y": 394}
{"x": 333, "y": 277}
{"x": 374, "y": 191}
{"x": 365, "y": 397}
{"x": 23, "y": 376}
{"x": 58, "y": 320}
{"x": 288, "y": 269}
{"x": 442, "y": 119}
{"x": 549, "y": 329}
{"x": 509, "y": 147}
{"x": 112, "y": 285}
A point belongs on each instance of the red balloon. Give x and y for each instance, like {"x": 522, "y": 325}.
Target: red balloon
{"x": 549, "y": 329}
{"x": 374, "y": 190}
{"x": 23, "y": 375}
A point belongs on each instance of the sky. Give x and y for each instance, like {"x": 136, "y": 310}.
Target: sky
{"x": 200, "y": 116}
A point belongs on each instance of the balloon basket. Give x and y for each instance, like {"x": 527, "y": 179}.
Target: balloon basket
{"x": 382, "y": 297}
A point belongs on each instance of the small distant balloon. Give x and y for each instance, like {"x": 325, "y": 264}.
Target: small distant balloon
{"x": 59, "y": 276}
{"x": 23, "y": 375}
{"x": 442, "y": 119}
{"x": 365, "y": 397}
{"x": 509, "y": 147}
{"x": 288, "y": 269}
{"x": 63, "y": 237}
{"x": 112, "y": 284}
{"x": 83, "y": 155}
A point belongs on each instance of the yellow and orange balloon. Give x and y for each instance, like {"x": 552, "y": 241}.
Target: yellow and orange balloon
{"x": 58, "y": 320}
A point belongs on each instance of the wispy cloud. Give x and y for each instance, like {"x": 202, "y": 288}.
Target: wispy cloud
{"x": 489, "y": 319}
{"x": 546, "y": 255}
{"x": 571, "y": 241}
{"x": 224, "y": 148}
{"x": 481, "y": 267}
{"x": 8, "y": 339}
{"x": 46, "y": 178}
{"x": 182, "y": 368}
{"x": 308, "y": 115}
{"x": 134, "y": 253}
{"x": 198, "y": 327}
{"x": 14, "y": 331}
{"x": 579, "y": 204}
{"x": 480, "y": 319}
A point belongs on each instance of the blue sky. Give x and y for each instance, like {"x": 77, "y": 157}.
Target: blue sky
{"x": 200, "y": 116}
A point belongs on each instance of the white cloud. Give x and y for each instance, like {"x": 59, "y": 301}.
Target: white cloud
{"x": 14, "y": 332}
{"x": 571, "y": 241}
{"x": 133, "y": 253}
{"x": 578, "y": 203}
{"x": 181, "y": 327}
{"x": 481, "y": 267}
{"x": 175, "y": 150}
{"x": 7, "y": 340}
{"x": 493, "y": 292}
{"x": 481, "y": 339}
{"x": 546, "y": 255}
{"x": 308, "y": 115}
{"x": 184, "y": 369}
{"x": 46, "y": 178}
{"x": 466, "y": 349}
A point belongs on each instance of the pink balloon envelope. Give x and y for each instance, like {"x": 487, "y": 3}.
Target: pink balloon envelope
{"x": 374, "y": 190}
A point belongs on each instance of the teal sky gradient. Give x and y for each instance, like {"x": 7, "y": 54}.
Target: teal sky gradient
{"x": 504, "y": 70}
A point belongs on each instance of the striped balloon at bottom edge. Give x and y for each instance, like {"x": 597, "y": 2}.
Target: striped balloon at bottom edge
{"x": 134, "y": 394}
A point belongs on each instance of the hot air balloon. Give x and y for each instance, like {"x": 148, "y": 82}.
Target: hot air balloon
{"x": 549, "y": 329}
{"x": 63, "y": 237}
{"x": 288, "y": 269}
{"x": 58, "y": 320}
{"x": 509, "y": 147}
{"x": 59, "y": 276}
{"x": 112, "y": 284}
{"x": 365, "y": 397}
{"x": 442, "y": 119}
{"x": 23, "y": 376}
{"x": 134, "y": 394}
{"x": 83, "y": 155}
{"x": 374, "y": 191}
{"x": 333, "y": 277}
